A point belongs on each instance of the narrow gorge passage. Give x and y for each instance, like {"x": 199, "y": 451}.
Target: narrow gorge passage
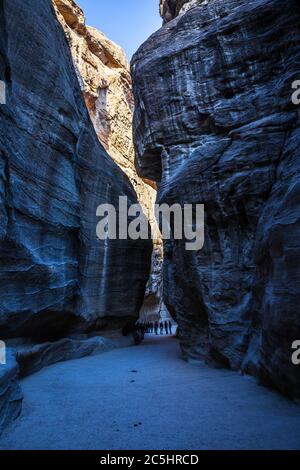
{"x": 151, "y": 400}
{"x": 198, "y": 128}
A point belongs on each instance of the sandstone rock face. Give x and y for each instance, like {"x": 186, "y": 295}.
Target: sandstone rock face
{"x": 55, "y": 275}
{"x": 169, "y": 9}
{"x": 105, "y": 80}
{"x": 214, "y": 124}
{"x": 32, "y": 357}
{"x": 152, "y": 305}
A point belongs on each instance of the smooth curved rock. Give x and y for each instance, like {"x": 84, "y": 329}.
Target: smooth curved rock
{"x": 55, "y": 276}
{"x": 33, "y": 357}
{"x": 214, "y": 124}
{"x": 105, "y": 81}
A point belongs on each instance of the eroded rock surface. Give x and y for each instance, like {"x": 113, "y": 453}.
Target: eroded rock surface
{"x": 214, "y": 124}
{"x": 105, "y": 80}
{"x": 32, "y": 357}
{"x": 55, "y": 276}
{"x": 169, "y": 9}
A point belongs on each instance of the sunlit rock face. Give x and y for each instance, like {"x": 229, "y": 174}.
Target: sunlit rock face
{"x": 55, "y": 275}
{"x": 105, "y": 80}
{"x": 215, "y": 124}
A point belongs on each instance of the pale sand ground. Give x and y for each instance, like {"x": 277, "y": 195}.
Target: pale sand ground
{"x": 93, "y": 403}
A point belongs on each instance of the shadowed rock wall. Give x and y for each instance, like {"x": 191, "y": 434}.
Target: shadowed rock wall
{"x": 214, "y": 124}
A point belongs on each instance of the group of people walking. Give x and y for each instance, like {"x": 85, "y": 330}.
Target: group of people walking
{"x": 157, "y": 327}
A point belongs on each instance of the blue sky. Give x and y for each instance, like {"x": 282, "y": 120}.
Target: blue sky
{"x": 127, "y": 22}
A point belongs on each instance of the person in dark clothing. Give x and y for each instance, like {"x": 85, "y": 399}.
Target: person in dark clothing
{"x": 170, "y": 327}
{"x": 161, "y": 326}
{"x": 156, "y": 327}
{"x": 151, "y": 327}
{"x": 139, "y": 328}
{"x": 166, "y": 327}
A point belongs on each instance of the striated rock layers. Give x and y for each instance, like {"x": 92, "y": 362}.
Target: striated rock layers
{"x": 104, "y": 75}
{"x": 56, "y": 277}
{"x": 215, "y": 124}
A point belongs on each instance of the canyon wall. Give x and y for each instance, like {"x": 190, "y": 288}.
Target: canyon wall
{"x": 56, "y": 277}
{"x": 215, "y": 124}
{"x": 104, "y": 76}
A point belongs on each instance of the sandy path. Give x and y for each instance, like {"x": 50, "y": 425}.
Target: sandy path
{"x": 100, "y": 402}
